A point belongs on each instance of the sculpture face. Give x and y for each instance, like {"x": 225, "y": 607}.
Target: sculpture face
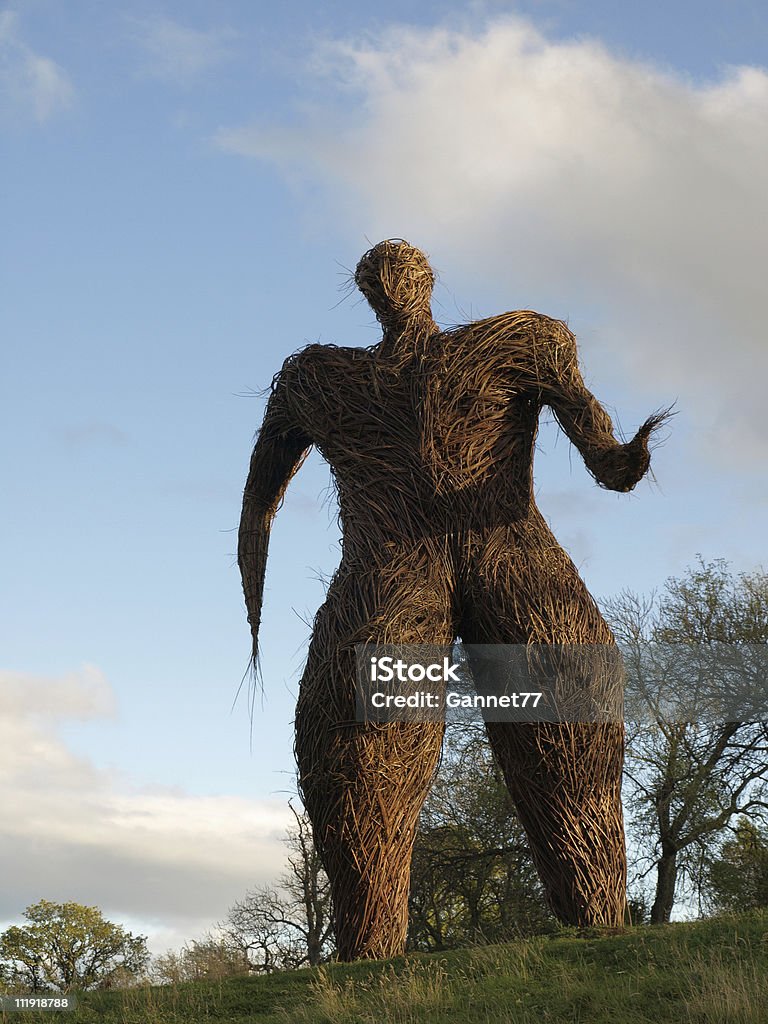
{"x": 396, "y": 279}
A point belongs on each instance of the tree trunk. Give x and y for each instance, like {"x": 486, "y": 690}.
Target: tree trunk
{"x": 666, "y": 878}
{"x": 314, "y": 949}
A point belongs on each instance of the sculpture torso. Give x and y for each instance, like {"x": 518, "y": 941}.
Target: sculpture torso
{"x": 433, "y": 438}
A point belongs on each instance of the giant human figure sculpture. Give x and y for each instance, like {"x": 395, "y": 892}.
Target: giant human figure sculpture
{"x": 429, "y": 435}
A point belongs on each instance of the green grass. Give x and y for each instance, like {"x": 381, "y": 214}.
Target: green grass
{"x": 709, "y": 972}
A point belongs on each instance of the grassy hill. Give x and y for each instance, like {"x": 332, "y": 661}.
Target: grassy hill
{"x": 710, "y": 972}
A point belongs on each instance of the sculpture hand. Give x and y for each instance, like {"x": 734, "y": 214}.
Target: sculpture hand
{"x": 622, "y": 467}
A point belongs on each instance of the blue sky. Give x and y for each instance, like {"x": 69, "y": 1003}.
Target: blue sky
{"x": 186, "y": 187}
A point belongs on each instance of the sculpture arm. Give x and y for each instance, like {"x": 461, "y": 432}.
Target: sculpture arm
{"x": 616, "y": 466}
{"x": 281, "y": 447}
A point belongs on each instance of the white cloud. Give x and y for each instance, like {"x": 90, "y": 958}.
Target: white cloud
{"x": 559, "y": 169}
{"x": 69, "y": 830}
{"x": 82, "y": 695}
{"x": 31, "y": 84}
{"x": 179, "y": 53}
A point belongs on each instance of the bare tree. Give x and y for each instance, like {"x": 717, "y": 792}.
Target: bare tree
{"x": 689, "y": 772}
{"x": 290, "y": 926}
{"x": 472, "y": 875}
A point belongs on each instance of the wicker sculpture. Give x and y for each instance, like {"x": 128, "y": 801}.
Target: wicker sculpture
{"x": 429, "y": 435}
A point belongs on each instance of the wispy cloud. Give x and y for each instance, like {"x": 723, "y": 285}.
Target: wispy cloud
{"x": 557, "y": 168}
{"x": 31, "y": 84}
{"x": 70, "y": 830}
{"x": 92, "y": 432}
{"x": 178, "y": 53}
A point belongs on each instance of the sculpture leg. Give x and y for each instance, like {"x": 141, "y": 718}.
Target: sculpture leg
{"x": 363, "y": 785}
{"x": 565, "y": 777}
{"x": 565, "y": 780}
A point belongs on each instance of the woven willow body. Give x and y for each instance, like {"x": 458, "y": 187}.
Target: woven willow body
{"x": 430, "y": 436}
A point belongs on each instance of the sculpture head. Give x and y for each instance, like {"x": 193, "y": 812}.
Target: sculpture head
{"x": 397, "y": 281}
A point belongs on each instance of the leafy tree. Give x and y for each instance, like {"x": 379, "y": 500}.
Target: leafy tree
{"x": 68, "y": 946}
{"x": 289, "y": 927}
{"x": 687, "y": 779}
{"x": 737, "y": 878}
{"x": 472, "y": 876}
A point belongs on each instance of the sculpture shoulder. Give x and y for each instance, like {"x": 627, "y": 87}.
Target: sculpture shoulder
{"x": 521, "y": 335}
{"x": 317, "y": 364}
{"x": 520, "y": 323}
{"x": 311, "y": 379}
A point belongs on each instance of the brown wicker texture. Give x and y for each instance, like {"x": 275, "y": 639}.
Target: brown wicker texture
{"x": 430, "y": 435}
